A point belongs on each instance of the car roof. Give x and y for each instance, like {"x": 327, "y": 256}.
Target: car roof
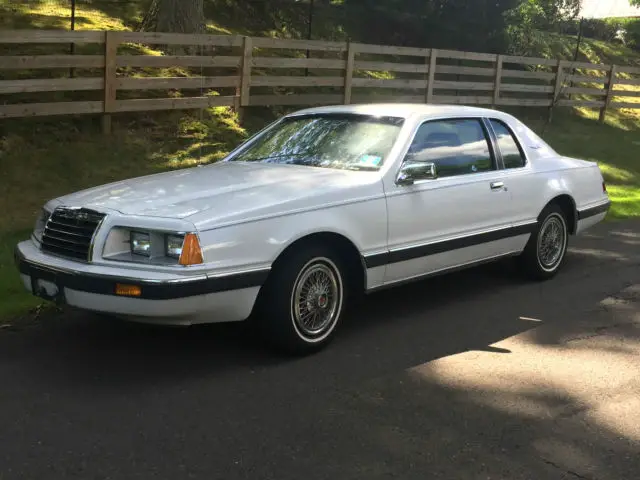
{"x": 404, "y": 110}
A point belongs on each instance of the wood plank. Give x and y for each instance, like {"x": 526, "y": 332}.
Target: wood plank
{"x": 585, "y": 91}
{"x": 162, "y": 83}
{"x": 623, "y": 69}
{"x": 617, "y": 105}
{"x": 530, "y": 60}
{"x": 348, "y": 74}
{"x": 392, "y": 67}
{"x": 50, "y": 85}
{"x": 586, "y": 78}
{"x": 153, "y": 38}
{"x": 391, "y": 50}
{"x": 188, "y": 103}
{"x": 385, "y": 83}
{"x": 47, "y": 109}
{"x": 580, "y": 103}
{"x": 463, "y": 100}
{"x": 369, "y": 98}
{"x": 528, "y": 74}
{"x": 321, "y": 99}
{"x": 311, "y": 63}
{"x": 625, "y": 93}
{"x": 160, "y": 61}
{"x": 525, "y": 102}
{"x": 588, "y": 66}
{"x": 628, "y": 81}
{"x": 431, "y": 81}
{"x": 282, "y": 43}
{"x": 266, "y": 81}
{"x": 498, "y": 79}
{"x": 473, "y": 86}
{"x": 244, "y": 87}
{"x": 452, "y": 69}
{"x": 20, "y": 62}
{"x": 50, "y": 36}
{"x": 484, "y": 57}
{"x": 516, "y": 87}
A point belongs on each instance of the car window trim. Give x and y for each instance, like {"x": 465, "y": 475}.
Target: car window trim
{"x": 523, "y": 154}
{"x": 488, "y": 138}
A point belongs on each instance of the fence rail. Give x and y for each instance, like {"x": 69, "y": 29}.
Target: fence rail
{"x": 119, "y": 67}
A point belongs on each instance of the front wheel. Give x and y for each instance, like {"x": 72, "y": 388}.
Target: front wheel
{"x": 544, "y": 254}
{"x": 303, "y": 301}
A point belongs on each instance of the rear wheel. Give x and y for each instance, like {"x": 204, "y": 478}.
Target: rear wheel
{"x": 545, "y": 252}
{"x": 303, "y": 301}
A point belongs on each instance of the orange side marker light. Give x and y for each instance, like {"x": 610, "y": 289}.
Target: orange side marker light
{"x": 191, "y": 251}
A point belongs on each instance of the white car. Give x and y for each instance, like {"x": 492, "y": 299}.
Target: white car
{"x": 321, "y": 205}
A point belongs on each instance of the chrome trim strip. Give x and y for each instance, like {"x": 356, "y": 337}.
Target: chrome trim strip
{"x": 406, "y": 253}
{"x": 442, "y": 271}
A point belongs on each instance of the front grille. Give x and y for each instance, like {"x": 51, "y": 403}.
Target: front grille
{"x": 69, "y": 232}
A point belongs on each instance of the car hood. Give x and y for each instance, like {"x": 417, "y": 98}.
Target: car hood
{"x": 226, "y": 191}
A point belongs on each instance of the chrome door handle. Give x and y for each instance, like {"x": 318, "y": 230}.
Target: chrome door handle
{"x": 497, "y": 185}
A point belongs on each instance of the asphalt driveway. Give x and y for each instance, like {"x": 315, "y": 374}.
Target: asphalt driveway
{"x": 474, "y": 375}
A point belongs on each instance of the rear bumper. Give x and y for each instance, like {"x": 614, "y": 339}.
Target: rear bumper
{"x": 594, "y": 210}
{"x": 164, "y": 298}
{"x": 591, "y": 215}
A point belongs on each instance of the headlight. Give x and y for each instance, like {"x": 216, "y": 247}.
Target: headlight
{"x": 140, "y": 244}
{"x": 41, "y": 222}
{"x": 174, "y": 245}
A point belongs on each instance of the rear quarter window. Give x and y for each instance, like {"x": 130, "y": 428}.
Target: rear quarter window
{"x": 511, "y": 150}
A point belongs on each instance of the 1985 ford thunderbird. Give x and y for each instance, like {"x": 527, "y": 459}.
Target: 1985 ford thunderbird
{"x": 322, "y": 204}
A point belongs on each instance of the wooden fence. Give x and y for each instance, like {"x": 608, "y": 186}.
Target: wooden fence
{"x": 117, "y": 71}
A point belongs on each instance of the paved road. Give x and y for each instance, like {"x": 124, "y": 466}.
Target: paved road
{"x": 474, "y": 375}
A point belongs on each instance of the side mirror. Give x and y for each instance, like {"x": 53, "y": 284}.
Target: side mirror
{"x": 412, "y": 171}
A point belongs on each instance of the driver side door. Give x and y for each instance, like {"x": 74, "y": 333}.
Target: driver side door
{"x": 459, "y": 217}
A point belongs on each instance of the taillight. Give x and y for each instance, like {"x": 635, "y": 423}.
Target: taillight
{"x": 604, "y": 187}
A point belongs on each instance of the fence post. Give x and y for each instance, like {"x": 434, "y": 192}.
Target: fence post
{"x": 348, "y": 73}
{"x": 609, "y": 87}
{"x": 111, "y": 42}
{"x": 432, "y": 74}
{"x": 498, "y": 80}
{"x": 557, "y": 89}
{"x": 244, "y": 84}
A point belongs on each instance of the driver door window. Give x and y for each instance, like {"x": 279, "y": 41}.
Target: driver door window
{"x": 456, "y": 147}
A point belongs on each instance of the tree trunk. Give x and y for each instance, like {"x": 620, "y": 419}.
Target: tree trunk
{"x": 175, "y": 16}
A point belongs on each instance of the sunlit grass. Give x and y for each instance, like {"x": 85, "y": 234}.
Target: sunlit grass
{"x": 58, "y": 15}
{"x": 626, "y": 201}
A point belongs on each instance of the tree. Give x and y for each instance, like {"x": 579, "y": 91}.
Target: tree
{"x": 175, "y": 16}
{"x": 454, "y": 24}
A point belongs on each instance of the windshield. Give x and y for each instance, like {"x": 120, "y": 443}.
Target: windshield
{"x": 342, "y": 141}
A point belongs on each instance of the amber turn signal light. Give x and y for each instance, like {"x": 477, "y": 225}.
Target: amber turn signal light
{"x": 128, "y": 290}
{"x": 191, "y": 251}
